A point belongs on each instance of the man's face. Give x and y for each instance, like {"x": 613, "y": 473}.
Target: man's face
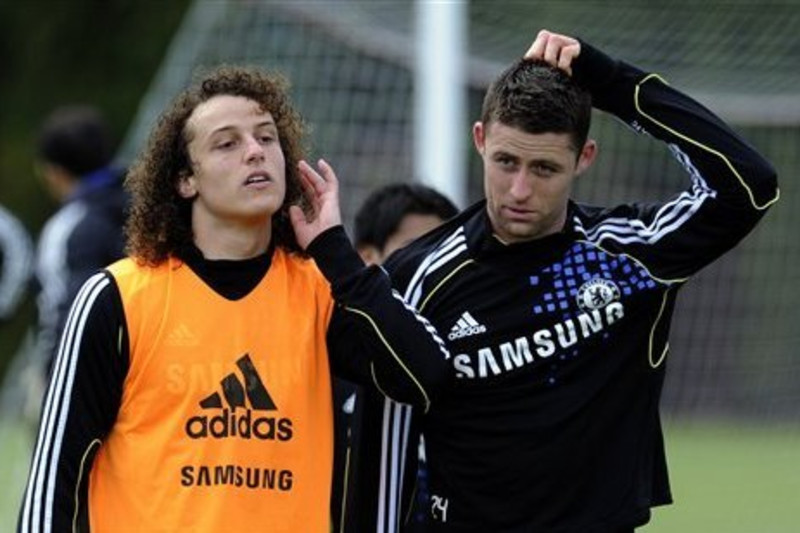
{"x": 412, "y": 225}
{"x": 238, "y": 167}
{"x": 528, "y": 179}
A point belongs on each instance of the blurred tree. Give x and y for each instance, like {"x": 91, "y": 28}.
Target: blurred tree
{"x": 56, "y": 52}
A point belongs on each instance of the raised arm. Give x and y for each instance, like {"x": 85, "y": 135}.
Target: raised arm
{"x": 731, "y": 184}
{"x": 374, "y": 335}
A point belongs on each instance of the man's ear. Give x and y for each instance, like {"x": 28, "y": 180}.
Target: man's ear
{"x": 187, "y": 187}
{"x": 479, "y": 136}
{"x": 586, "y": 157}
{"x": 59, "y": 182}
{"x": 369, "y": 254}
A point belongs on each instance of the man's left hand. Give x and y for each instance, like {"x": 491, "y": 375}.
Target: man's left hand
{"x": 322, "y": 189}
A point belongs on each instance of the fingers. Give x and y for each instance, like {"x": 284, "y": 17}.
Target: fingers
{"x": 555, "y": 49}
{"x": 536, "y": 50}
{"x": 301, "y": 226}
{"x": 322, "y": 190}
{"x": 296, "y": 216}
{"x": 320, "y": 181}
{"x": 306, "y": 172}
{"x": 327, "y": 172}
{"x": 309, "y": 177}
{"x": 568, "y": 54}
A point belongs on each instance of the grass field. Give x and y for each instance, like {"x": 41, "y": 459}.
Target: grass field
{"x": 731, "y": 479}
{"x": 725, "y": 478}
{"x": 15, "y": 450}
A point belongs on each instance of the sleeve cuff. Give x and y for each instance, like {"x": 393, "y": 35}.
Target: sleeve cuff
{"x": 593, "y": 69}
{"x": 334, "y": 255}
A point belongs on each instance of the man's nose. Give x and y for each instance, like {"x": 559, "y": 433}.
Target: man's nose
{"x": 521, "y": 186}
{"x": 254, "y": 150}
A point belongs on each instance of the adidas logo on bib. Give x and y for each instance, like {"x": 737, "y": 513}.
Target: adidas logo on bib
{"x": 243, "y": 410}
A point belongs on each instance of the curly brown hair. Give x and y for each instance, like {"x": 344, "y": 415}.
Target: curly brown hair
{"x": 159, "y": 222}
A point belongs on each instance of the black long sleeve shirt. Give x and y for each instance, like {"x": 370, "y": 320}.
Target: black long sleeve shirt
{"x": 559, "y": 345}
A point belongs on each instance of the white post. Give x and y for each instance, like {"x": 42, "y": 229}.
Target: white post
{"x": 439, "y": 97}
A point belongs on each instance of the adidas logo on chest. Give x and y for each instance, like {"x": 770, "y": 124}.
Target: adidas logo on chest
{"x": 239, "y": 412}
{"x": 466, "y": 326}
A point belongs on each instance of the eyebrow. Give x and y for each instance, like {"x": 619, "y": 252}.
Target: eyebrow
{"x": 264, "y": 124}
{"x": 538, "y": 161}
{"x": 505, "y": 153}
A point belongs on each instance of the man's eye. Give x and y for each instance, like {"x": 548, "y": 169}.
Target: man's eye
{"x": 223, "y": 145}
{"x": 504, "y": 161}
{"x": 543, "y": 170}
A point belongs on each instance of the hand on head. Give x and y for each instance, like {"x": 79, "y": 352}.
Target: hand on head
{"x": 555, "y": 49}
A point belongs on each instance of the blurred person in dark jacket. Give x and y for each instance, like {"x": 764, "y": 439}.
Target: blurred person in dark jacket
{"x": 75, "y": 148}
{"x": 16, "y": 260}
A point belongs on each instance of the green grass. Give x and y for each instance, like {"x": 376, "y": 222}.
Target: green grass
{"x": 725, "y": 478}
{"x": 16, "y": 443}
{"x": 731, "y": 479}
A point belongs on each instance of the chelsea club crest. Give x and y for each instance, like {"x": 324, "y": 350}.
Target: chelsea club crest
{"x": 597, "y": 293}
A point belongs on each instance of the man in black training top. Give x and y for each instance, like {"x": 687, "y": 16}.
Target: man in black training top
{"x": 557, "y": 314}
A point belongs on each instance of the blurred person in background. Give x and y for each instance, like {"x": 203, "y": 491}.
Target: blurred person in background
{"x": 391, "y": 217}
{"x": 16, "y": 269}
{"x": 16, "y": 262}
{"x": 74, "y": 150}
{"x": 557, "y": 313}
{"x": 191, "y": 390}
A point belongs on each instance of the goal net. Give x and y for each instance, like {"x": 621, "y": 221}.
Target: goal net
{"x": 735, "y": 348}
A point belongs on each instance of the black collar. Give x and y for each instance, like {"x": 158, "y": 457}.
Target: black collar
{"x": 232, "y": 279}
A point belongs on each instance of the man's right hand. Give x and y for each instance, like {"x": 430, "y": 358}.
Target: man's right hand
{"x": 555, "y": 49}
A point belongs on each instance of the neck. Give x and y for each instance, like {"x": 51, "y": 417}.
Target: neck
{"x": 65, "y": 190}
{"x": 233, "y": 242}
{"x": 60, "y": 183}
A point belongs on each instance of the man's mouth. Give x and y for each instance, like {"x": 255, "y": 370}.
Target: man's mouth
{"x": 514, "y": 212}
{"x": 258, "y": 177}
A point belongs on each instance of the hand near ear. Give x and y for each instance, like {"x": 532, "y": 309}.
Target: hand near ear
{"x": 322, "y": 189}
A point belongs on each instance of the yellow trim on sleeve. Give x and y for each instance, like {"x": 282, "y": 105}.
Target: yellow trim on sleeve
{"x": 443, "y": 281}
{"x": 98, "y": 442}
{"x": 375, "y": 380}
{"x": 661, "y": 357}
{"x": 394, "y": 354}
{"x": 699, "y": 144}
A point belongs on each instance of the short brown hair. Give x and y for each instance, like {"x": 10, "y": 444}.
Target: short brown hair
{"x": 536, "y": 97}
{"x": 160, "y": 219}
